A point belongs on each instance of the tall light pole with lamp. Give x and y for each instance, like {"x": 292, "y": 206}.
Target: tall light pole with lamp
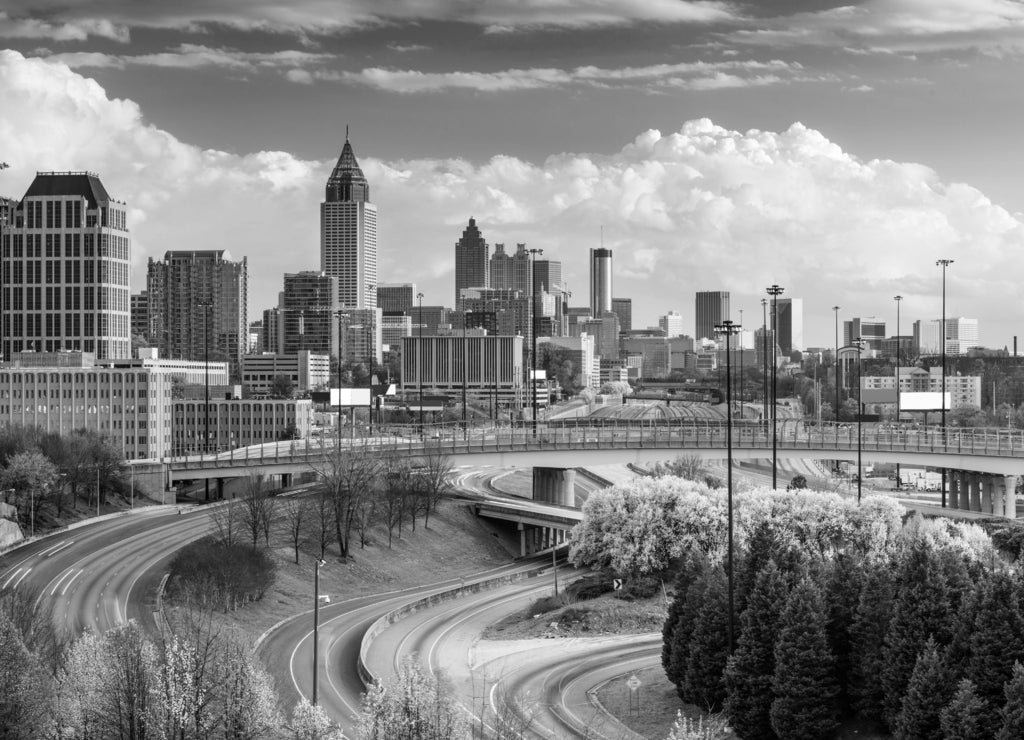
{"x": 316, "y": 627}
{"x": 775, "y": 291}
{"x": 205, "y": 305}
{"x": 728, "y": 329}
{"x": 741, "y": 364}
{"x": 835, "y": 310}
{"x": 533, "y": 332}
{"x": 858, "y": 343}
{"x": 942, "y": 340}
{"x": 764, "y": 358}
{"x": 465, "y": 367}
{"x": 419, "y": 357}
{"x": 899, "y": 300}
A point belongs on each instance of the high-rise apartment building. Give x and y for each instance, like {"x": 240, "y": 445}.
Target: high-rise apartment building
{"x": 600, "y": 281}
{"x": 549, "y": 275}
{"x": 511, "y": 271}
{"x": 140, "y": 314}
{"x": 396, "y": 298}
{"x": 711, "y": 308}
{"x": 348, "y": 233}
{"x": 198, "y": 299}
{"x": 961, "y": 336}
{"x": 66, "y": 266}
{"x": 623, "y": 308}
{"x": 511, "y": 310}
{"x": 308, "y": 315}
{"x": 790, "y": 324}
{"x": 470, "y": 260}
{"x": 671, "y": 323}
{"x": 870, "y": 329}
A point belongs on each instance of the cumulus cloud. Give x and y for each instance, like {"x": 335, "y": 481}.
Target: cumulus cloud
{"x": 700, "y": 208}
{"x": 325, "y": 16}
{"x": 687, "y": 75}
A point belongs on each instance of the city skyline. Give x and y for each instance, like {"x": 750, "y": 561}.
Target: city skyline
{"x": 835, "y": 210}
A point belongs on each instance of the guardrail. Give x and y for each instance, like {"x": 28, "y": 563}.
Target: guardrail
{"x": 453, "y": 439}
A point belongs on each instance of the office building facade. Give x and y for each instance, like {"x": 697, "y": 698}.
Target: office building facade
{"x": 623, "y": 309}
{"x": 307, "y": 371}
{"x": 65, "y": 256}
{"x": 491, "y": 367}
{"x": 600, "y": 281}
{"x": 396, "y": 298}
{"x": 789, "y": 324}
{"x": 308, "y": 315}
{"x": 348, "y": 233}
{"x": 198, "y": 303}
{"x": 871, "y": 330}
{"x": 711, "y": 307}
{"x": 511, "y": 271}
{"x": 671, "y": 323}
{"x": 961, "y": 336}
{"x": 471, "y": 260}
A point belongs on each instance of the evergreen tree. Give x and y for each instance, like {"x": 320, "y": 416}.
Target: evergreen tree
{"x": 964, "y": 716}
{"x": 843, "y": 577}
{"x": 748, "y": 674}
{"x": 688, "y": 574}
{"x": 804, "y": 682}
{"x": 870, "y": 624}
{"x": 997, "y": 642}
{"x": 921, "y": 609}
{"x": 762, "y": 546}
{"x": 959, "y": 650}
{"x": 709, "y": 647}
{"x": 927, "y": 694}
{"x": 682, "y": 631}
{"x": 1012, "y": 715}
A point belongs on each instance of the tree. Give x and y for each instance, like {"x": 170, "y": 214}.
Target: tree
{"x": 282, "y": 387}
{"x": 22, "y": 685}
{"x": 310, "y": 722}
{"x": 128, "y": 696}
{"x": 255, "y": 512}
{"x": 295, "y": 513}
{"x": 348, "y": 479}
{"x": 413, "y": 705}
{"x": 1012, "y": 714}
{"x": 927, "y": 694}
{"x": 703, "y": 683}
{"x": 433, "y": 478}
{"x": 30, "y": 475}
{"x": 678, "y": 630}
{"x": 867, "y": 635}
{"x": 798, "y": 483}
{"x": 804, "y": 683}
{"x": 616, "y": 387}
{"x": 78, "y": 709}
{"x": 964, "y": 717}
{"x": 749, "y": 672}
{"x": 245, "y": 694}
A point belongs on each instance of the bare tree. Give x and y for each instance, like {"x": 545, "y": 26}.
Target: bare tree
{"x": 433, "y": 473}
{"x": 322, "y": 510}
{"x": 227, "y": 522}
{"x": 347, "y": 478}
{"x": 295, "y": 514}
{"x": 255, "y": 513}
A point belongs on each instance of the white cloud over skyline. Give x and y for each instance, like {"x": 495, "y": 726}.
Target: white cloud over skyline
{"x": 701, "y": 208}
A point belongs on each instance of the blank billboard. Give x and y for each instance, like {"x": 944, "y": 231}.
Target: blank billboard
{"x": 878, "y": 395}
{"x": 350, "y": 396}
{"x": 922, "y": 401}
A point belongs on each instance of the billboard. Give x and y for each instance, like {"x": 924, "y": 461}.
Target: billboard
{"x": 922, "y": 401}
{"x": 878, "y": 395}
{"x": 350, "y": 396}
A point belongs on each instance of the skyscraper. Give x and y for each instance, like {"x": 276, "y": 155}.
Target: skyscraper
{"x": 871, "y": 330}
{"x": 790, "y": 324}
{"x": 511, "y": 271}
{"x": 623, "y": 308}
{"x": 66, "y": 261}
{"x": 308, "y": 314}
{"x": 181, "y": 286}
{"x": 671, "y": 323}
{"x": 396, "y": 298}
{"x": 712, "y": 307}
{"x": 348, "y": 233}
{"x": 470, "y": 261}
{"x": 600, "y": 281}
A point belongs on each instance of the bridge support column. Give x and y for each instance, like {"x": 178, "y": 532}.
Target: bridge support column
{"x": 974, "y": 484}
{"x": 958, "y": 482}
{"x": 953, "y": 483}
{"x": 555, "y": 485}
{"x": 220, "y": 489}
{"x": 522, "y": 540}
{"x": 1008, "y": 484}
{"x": 998, "y": 508}
{"x": 987, "y": 488}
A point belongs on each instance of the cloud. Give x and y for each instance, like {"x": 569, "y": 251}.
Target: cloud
{"x": 302, "y": 17}
{"x": 688, "y": 75}
{"x": 14, "y": 27}
{"x": 193, "y": 56}
{"x": 898, "y": 26}
{"x": 700, "y": 208}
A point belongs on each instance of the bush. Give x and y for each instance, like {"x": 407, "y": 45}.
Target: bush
{"x": 545, "y": 604}
{"x": 589, "y": 587}
{"x": 642, "y": 587}
{"x": 215, "y": 574}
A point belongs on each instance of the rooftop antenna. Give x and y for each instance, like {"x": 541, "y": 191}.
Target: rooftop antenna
{"x": 346, "y": 132}
{"x": 602, "y": 236}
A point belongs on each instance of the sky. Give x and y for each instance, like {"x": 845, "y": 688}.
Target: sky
{"x": 837, "y": 150}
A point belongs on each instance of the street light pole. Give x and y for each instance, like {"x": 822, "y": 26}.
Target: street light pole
{"x": 774, "y": 291}
{"x": 533, "y": 332}
{"x": 942, "y": 339}
{"x": 728, "y": 329}
{"x": 835, "y": 369}
{"x": 316, "y": 626}
{"x": 465, "y": 367}
{"x": 419, "y": 358}
{"x": 764, "y": 358}
{"x": 205, "y": 305}
{"x": 859, "y": 344}
{"x": 741, "y": 364}
{"x": 899, "y": 300}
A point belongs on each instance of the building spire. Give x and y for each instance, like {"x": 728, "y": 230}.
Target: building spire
{"x": 347, "y": 182}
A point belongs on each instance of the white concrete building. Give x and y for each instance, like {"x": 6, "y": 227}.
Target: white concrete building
{"x": 307, "y": 371}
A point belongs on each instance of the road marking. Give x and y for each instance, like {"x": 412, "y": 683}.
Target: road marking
{"x": 68, "y": 584}
{"x": 22, "y": 578}
{"x": 55, "y": 550}
{"x": 13, "y": 574}
{"x": 56, "y": 585}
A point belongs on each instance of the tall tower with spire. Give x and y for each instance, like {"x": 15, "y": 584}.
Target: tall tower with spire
{"x": 348, "y": 232}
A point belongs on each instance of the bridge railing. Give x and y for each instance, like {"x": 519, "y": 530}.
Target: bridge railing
{"x": 684, "y": 435}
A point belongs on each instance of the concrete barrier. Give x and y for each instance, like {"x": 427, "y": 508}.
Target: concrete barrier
{"x": 414, "y": 606}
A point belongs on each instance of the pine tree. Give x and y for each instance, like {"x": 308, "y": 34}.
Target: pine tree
{"x": 927, "y": 693}
{"x": 682, "y": 630}
{"x": 689, "y": 574}
{"x": 964, "y": 716}
{"x": 709, "y": 647}
{"x": 870, "y": 624}
{"x": 748, "y": 674}
{"x": 997, "y": 642}
{"x": 921, "y": 609}
{"x": 1012, "y": 714}
{"x": 842, "y": 590}
{"x": 804, "y": 682}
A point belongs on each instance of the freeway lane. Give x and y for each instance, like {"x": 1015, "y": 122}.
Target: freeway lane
{"x": 90, "y": 575}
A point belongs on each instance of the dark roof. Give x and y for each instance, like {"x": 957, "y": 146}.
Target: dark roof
{"x": 85, "y": 184}
{"x": 347, "y": 182}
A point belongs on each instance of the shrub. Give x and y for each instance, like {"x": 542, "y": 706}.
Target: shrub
{"x": 589, "y": 587}
{"x": 215, "y": 574}
{"x": 642, "y": 587}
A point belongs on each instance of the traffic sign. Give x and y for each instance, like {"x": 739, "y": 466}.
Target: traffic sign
{"x": 617, "y": 583}
{"x": 633, "y": 682}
